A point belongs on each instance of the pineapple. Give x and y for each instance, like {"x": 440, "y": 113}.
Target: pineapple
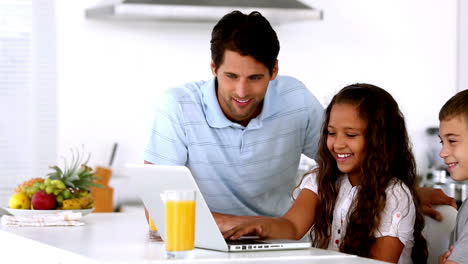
{"x": 78, "y": 176}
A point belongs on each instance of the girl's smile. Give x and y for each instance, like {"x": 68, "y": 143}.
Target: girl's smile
{"x": 343, "y": 158}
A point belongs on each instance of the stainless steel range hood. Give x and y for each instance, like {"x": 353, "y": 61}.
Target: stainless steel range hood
{"x": 276, "y": 11}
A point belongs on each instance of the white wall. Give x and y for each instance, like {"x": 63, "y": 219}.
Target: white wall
{"x": 111, "y": 71}
{"x": 406, "y": 47}
{"x": 462, "y": 79}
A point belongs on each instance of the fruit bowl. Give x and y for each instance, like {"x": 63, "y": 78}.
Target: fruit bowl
{"x": 23, "y": 212}
{"x": 66, "y": 188}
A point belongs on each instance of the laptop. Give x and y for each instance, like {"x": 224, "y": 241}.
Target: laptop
{"x": 150, "y": 181}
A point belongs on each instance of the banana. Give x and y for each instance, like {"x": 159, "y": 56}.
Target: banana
{"x": 84, "y": 202}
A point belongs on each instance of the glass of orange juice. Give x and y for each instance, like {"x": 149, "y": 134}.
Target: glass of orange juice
{"x": 180, "y": 222}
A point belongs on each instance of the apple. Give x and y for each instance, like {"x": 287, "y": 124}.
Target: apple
{"x": 43, "y": 201}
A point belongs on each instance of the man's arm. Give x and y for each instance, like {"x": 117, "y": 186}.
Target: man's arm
{"x": 443, "y": 259}
{"x": 432, "y": 196}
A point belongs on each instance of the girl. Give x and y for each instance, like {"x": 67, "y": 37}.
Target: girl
{"x": 361, "y": 199}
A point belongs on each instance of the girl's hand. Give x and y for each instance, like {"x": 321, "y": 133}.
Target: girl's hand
{"x": 226, "y": 222}
{"x": 293, "y": 225}
{"x": 260, "y": 227}
{"x": 444, "y": 257}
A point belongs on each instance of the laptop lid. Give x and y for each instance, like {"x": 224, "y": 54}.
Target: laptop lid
{"x": 150, "y": 181}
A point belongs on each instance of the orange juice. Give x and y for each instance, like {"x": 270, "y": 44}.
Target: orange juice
{"x": 180, "y": 225}
{"x": 152, "y": 226}
{"x": 153, "y": 230}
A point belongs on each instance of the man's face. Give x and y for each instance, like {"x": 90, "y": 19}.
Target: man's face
{"x": 242, "y": 85}
{"x": 453, "y": 134}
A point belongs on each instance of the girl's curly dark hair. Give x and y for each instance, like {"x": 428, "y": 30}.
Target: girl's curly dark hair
{"x": 387, "y": 156}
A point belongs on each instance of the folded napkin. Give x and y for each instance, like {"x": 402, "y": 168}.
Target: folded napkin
{"x": 53, "y": 219}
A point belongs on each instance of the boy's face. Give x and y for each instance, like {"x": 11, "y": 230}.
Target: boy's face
{"x": 242, "y": 85}
{"x": 453, "y": 134}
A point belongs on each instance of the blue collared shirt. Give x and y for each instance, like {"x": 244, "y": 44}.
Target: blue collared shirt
{"x": 240, "y": 170}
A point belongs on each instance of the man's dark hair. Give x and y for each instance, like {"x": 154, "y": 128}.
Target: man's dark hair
{"x": 249, "y": 35}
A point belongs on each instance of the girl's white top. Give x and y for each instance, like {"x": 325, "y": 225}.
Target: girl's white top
{"x": 397, "y": 218}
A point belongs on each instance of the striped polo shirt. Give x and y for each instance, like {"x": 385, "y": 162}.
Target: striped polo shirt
{"x": 240, "y": 170}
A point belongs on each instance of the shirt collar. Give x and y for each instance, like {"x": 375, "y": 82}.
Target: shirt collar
{"x": 215, "y": 116}
{"x": 272, "y": 102}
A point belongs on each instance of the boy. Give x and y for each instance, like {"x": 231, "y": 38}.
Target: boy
{"x": 453, "y": 133}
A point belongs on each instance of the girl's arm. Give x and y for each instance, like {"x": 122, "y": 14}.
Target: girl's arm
{"x": 293, "y": 225}
{"x": 386, "y": 249}
{"x": 396, "y": 224}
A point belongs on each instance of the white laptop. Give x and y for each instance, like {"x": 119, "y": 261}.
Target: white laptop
{"x": 150, "y": 181}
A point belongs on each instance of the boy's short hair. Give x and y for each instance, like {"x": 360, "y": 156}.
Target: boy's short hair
{"x": 455, "y": 106}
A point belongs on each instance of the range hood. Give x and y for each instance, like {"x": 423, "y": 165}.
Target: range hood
{"x": 276, "y": 11}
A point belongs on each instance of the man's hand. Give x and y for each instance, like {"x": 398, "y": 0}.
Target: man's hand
{"x": 430, "y": 197}
{"x": 444, "y": 258}
{"x": 226, "y": 222}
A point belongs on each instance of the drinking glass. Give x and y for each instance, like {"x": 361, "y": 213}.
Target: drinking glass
{"x": 180, "y": 222}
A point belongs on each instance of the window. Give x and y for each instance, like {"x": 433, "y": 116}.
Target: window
{"x": 28, "y": 106}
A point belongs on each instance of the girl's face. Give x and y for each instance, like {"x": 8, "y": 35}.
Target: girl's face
{"x": 345, "y": 139}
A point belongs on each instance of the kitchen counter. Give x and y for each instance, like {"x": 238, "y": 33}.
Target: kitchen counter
{"x": 123, "y": 238}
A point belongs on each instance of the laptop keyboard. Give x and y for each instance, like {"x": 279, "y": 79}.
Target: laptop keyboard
{"x": 245, "y": 242}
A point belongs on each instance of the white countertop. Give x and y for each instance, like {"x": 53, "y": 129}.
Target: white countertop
{"x": 123, "y": 238}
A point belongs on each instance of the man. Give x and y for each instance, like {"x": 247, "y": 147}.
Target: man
{"x": 242, "y": 133}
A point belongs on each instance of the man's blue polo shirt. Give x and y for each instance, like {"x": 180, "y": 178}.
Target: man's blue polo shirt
{"x": 240, "y": 170}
